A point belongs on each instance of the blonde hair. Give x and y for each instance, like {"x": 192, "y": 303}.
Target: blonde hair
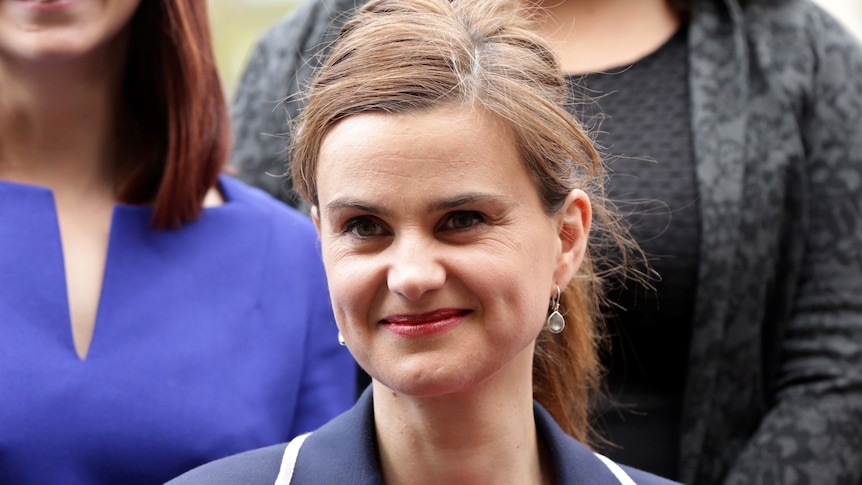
{"x": 400, "y": 56}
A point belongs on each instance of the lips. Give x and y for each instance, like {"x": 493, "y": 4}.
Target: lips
{"x": 45, "y": 6}
{"x": 426, "y": 324}
{"x": 42, "y": 1}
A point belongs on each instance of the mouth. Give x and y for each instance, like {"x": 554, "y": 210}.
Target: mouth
{"x": 42, "y": 2}
{"x": 45, "y": 5}
{"x": 426, "y": 324}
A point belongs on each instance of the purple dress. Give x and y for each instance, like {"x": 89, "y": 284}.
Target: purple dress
{"x": 209, "y": 340}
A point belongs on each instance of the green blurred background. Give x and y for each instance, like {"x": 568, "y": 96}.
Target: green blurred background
{"x": 236, "y": 25}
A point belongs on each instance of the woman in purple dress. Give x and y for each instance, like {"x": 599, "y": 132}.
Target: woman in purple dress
{"x": 154, "y": 315}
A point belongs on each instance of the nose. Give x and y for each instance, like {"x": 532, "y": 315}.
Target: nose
{"x": 415, "y": 268}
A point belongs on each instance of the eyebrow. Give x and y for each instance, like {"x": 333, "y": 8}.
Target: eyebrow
{"x": 465, "y": 199}
{"x": 348, "y": 203}
{"x": 435, "y": 206}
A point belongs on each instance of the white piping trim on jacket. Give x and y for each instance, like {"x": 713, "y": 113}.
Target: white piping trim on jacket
{"x": 288, "y": 461}
{"x": 618, "y": 472}
{"x": 291, "y": 452}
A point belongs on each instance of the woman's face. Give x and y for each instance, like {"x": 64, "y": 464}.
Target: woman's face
{"x": 440, "y": 258}
{"x": 45, "y": 30}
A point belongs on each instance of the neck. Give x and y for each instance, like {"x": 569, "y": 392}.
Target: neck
{"x": 59, "y": 121}
{"x": 483, "y": 436}
{"x": 595, "y": 35}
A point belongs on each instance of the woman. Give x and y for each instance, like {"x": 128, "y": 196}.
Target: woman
{"x": 731, "y": 128}
{"x": 454, "y": 218}
{"x": 147, "y": 322}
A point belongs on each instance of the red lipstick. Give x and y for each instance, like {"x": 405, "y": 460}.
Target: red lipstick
{"x": 426, "y": 324}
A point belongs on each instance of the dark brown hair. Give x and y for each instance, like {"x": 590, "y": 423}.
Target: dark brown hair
{"x": 176, "y": 109}
{"x": 402, "y": 56}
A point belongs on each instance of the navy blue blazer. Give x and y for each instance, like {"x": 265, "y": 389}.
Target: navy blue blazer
{"x": 774, "y": 379}
{"x": 344, "y": 451}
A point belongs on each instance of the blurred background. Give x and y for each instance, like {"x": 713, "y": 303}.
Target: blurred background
{"x": 238, "y": 23}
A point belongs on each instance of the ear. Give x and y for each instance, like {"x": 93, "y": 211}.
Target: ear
{"x": 315, "y": 218}
{"x": 574, "y": 229}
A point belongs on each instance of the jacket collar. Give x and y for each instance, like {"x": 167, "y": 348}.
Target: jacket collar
{"x": 345, "y": 451}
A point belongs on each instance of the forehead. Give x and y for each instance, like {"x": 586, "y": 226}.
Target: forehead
{"x": 453, "y": 145}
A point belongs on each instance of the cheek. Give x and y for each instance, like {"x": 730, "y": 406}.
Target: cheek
{"x": 529, "y": 282}
{"x": 352, "y": 284}
{"x": 516, "y": 287}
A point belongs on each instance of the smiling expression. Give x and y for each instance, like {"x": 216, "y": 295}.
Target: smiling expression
{"x": 439, "y": 254}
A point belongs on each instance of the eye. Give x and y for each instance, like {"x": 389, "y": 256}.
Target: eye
{"x": 364, "y": 227}
{"x": 463, "y": 220}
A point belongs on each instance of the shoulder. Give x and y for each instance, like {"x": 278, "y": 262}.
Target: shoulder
{"x": 781, "y": 27}
{"x": 288, "y": 52}
{"x": 640, "y": 477}
{"x": 280, "y": 237}
{"x": 793, "y": 51}
{"x": 352, "y": 434}
{"x": 802, "y": 18}
{"x": 296, "y": 42}
{"x": 578, "y": 465}
{"x": 260, "y": 466}
{"x": 258, "y": 206}
{"x": 807, "y": 56}
{"x": 341, "y": 451}
{"x": 308, "y": 22}
{"x": 797, "y": 36}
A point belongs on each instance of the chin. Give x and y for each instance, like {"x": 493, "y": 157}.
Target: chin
{"x": 60, "y": 45}
{"x": 43, "y": 52}
{"x": 55, "y": 54}
{"x": 429, "y": 381}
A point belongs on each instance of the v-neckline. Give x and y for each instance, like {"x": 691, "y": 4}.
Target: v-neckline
{"x": 48, "y": 246}
{"x": 45, "y": 201}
